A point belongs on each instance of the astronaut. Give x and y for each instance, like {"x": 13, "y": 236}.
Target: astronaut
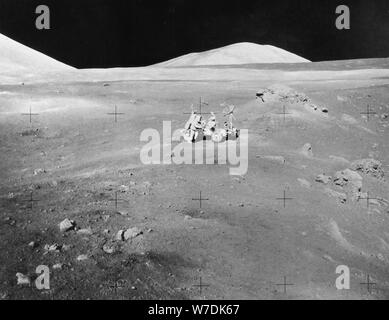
{"x": 192, "y": 127}
{"x": 210, "y": 126}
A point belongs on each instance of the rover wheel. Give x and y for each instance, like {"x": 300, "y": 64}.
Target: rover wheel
{"x": 218, "y": 136}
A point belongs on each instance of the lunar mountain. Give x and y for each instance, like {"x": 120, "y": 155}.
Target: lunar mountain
{"x": 238, "y": 53}
{"x": 16, "y": 57}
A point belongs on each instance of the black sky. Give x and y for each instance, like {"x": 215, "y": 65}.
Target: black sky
{"x": 109, "y": 33}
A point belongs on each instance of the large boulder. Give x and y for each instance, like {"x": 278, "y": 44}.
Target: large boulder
{"x": 351, "y": 180}
{"x": 370, "y": 167}
{"x": 67, "y": 225}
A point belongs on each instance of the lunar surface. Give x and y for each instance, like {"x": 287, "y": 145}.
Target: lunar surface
{"x": 76, "y": 196}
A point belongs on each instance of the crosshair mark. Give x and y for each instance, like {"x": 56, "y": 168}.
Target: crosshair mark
{"x": 200, "y": 199}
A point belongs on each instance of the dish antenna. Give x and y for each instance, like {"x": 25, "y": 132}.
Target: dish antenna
{"x": 228, "y": 112}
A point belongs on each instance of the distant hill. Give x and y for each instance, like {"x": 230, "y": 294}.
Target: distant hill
{"x": 15, "y": 57}
{"x": 238, "y": 53}
{"x": 338, "y": 65}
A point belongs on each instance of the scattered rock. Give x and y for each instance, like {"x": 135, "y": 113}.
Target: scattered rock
{"x": 324, "y": 110}
{"x": 31, "y": 132}
{"x": 132, "y": 233}
{"x": 11, "y": 195}
{"x": 66, "y": 247}
{"x": 33, "y": 244}
{"x": 342, "y": 178}
{"x": 322, "y": 178}
{"x": 120, "y": 235}
{"x": 370, "y": 167}
{"x": 380, "y": 257}
{"x": 282, "y": 93}
{"x": 82, "y": 257}
{"x": 58, "y": 266}
{"x": 67, "y": 225}
{"x": 52, "y": 248}
{"x": 265, "y": 95}
{"x": 307, "y": 150}
{"x": 34, "y": 187}
{"x": 3, "y": 295}
{"x": 124, "y": 189}
{"x": 288, "y": 95}
{"x": 22, "y": 279}
{"x": 39, "y": 171}
{"x": 328, "y": 258}
{"x": 109, "y": 248}
{"x": 260, "y": 95}
{"x": 351, "y": 179}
